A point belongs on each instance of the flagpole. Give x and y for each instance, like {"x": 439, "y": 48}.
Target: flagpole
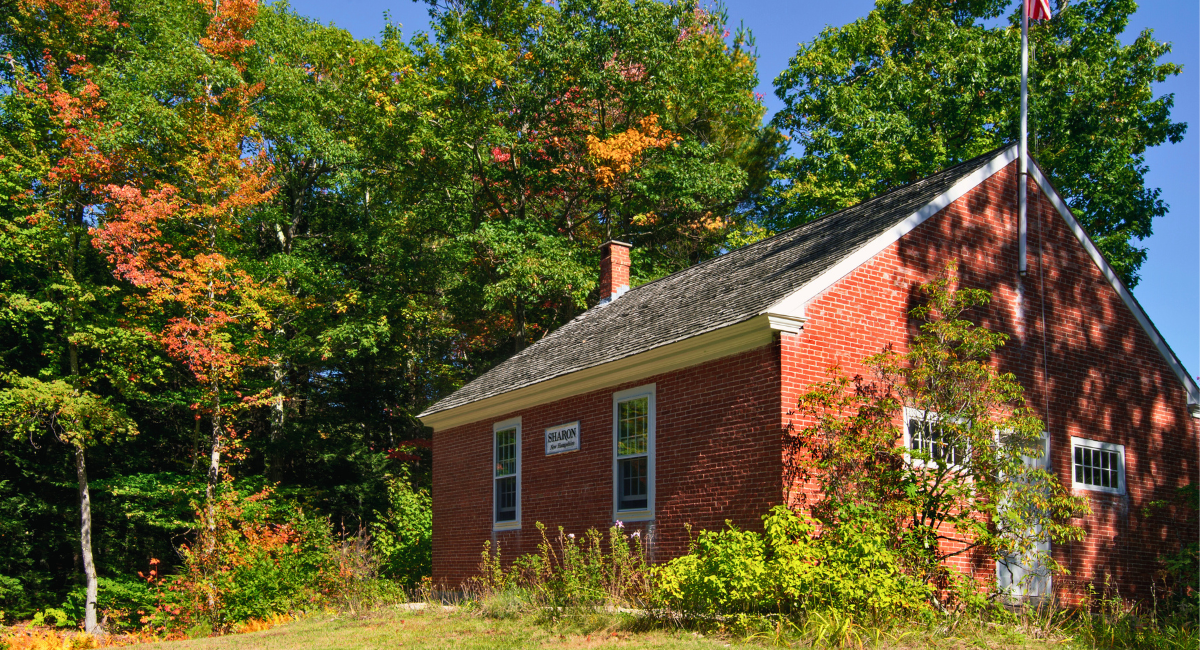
{"x": 1023, "y": 152}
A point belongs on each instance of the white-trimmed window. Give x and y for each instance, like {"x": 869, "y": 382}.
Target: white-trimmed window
{"x": 506, "y": 474}
{"x": 923, "y": 432}
{"x": 1098, "y": 466}
{"x": 633, "y": 454}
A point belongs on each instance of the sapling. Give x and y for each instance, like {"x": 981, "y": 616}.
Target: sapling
{"x": 967, "y": 482}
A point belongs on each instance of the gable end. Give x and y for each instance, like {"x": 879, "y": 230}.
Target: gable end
{"x": 1139, "y": 314}
{"x": 794, "y": 304}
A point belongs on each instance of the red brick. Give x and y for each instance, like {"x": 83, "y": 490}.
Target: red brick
{"x": 1088, "y": 368}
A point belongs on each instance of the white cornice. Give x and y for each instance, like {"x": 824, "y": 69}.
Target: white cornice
{"x": 1139, "y": 314}
{"x": 740, "y": 337}
{"x": 785, "y": 322}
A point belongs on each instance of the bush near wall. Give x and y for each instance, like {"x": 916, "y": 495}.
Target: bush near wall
{"x": 791, "y": 568}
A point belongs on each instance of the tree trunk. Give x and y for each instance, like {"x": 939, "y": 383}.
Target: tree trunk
{"x": 210, "y": 491}
{"x": 274, "y": 457}
{"x": 214, "y": 465}
{"x": 91, "y": 626}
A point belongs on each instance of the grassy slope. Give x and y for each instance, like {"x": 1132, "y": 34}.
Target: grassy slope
{"x": 393, "y": 628}
{"x": 410, "y": 629}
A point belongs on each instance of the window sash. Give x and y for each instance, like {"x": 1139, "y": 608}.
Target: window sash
{"x": 1098, "y": 467}
{"x": 633, "y": 427}
{"x": 928, "y": 436}
{"x": 506, "y": 452}
{"x": 506, "y": 498}
{"x": 634, "y": 483}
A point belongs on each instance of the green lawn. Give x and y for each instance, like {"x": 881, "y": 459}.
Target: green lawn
{"x": 396, "y": 628}
{"x": 391, "y": 628}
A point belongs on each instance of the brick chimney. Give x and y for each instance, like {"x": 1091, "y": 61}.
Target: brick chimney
{"x": 614, "y": 270}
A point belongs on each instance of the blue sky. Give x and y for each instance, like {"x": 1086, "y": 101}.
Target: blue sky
{"x": 1170, "y": 286}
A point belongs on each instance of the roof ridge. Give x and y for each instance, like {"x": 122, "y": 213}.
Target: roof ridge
{"x": 823, "y": 217}
{"x": 709, "y": 297}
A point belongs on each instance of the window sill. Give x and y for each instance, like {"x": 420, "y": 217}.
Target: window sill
{"x": 507, "y": 525}
{"x": 1084, "y": 487}
{"x": 634, "y": 515}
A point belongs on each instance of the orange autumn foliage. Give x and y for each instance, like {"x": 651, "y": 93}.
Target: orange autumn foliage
{"x": 225, "y": 36}
{"x": 616, "y": 156}
{"x": 63, "y": 91}
{"x": 171, "y": 238}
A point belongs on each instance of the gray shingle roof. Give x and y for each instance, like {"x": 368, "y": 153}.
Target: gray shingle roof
{"x": 717, "y": 293}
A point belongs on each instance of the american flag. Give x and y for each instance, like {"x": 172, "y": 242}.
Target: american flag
{"x": 1037, "y": 9}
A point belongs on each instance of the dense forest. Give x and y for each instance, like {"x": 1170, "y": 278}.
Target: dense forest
{"x": 241, "y": 250}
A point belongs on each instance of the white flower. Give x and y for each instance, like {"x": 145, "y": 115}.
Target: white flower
{"x": 620, "y": 524}
{"x": 571, "y": 535}
{"x": 637, "y": 534}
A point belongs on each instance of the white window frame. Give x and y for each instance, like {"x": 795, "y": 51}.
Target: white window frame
{"x": 1077, "y": 442}
{"x": 512, "y": 423}
{"x": 918, "y": 414}
{"x": 648, "y": 391}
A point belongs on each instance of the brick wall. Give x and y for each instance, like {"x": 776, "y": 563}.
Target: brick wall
{"x": 716, "y": 459}
{"x": 1097, "y": 375}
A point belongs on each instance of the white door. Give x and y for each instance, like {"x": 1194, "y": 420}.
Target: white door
{"x": 1024, "y": 576}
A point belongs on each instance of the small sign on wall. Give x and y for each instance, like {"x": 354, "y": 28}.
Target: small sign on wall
{"x": 562, "y": 438}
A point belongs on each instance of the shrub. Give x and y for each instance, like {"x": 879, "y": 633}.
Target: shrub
{"x": 124, "y": 604}
{"x": 1181, "y": 570}
{"x": 724, "y": 572}
{"x": 403, "y": 537}
{"x": 572, "y": 572}
{"x": 255, "y": 557}
{"x": 789, "y": 568}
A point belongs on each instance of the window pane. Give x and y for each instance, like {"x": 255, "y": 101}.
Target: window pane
{"x": 1097, "y": 467}
{"x": 632, "y": 483}
{"x": 930, "y": 438}
{"x": 916, "y": 435}
{"x": 506, "y": 452}
{"x": 506, "y": 499}
{"x": 633, "y": 426}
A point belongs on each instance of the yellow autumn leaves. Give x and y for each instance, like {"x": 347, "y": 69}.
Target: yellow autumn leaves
{"x": 615, "y": 156}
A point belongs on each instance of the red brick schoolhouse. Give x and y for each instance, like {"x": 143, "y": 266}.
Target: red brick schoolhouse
{"x": 665, "y": 404}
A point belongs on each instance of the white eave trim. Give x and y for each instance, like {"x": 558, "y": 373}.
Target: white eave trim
{"x": 794, "y": 304}
{"x": 792, "y": 324}
{"x": 1189, "y": 384}
{"x": 740, "y": 337}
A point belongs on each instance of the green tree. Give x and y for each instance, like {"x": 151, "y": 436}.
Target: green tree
{"x": 362, "y": 344}
{"x": 78, "y": 419}
{"x": 67, "y": 361}
{"x": 915, "y": 87}
{"x": 970, "y": 483}
{"x": 566, "y": 125}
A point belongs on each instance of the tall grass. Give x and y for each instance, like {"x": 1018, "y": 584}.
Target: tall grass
{"x": 569, "y": 574}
